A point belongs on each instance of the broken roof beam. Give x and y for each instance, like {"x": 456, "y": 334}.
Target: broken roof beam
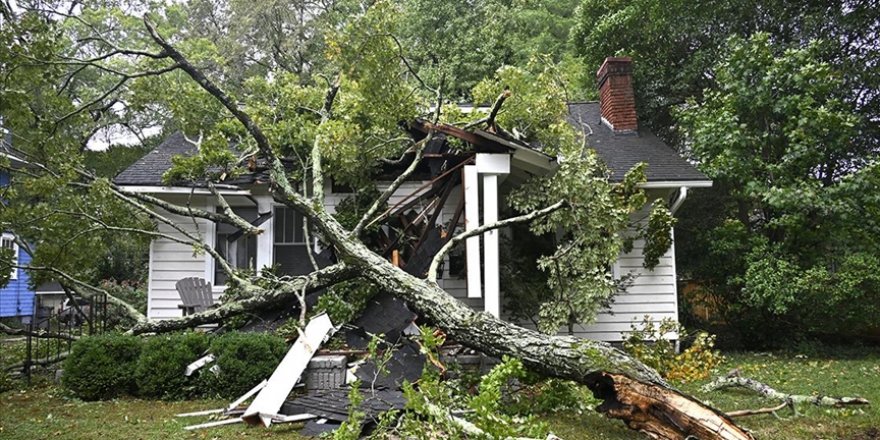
{"x": 268, "y": 402}
{"x": 483, "y": 143}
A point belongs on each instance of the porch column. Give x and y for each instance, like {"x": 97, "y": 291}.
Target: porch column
{"x": 472, "y": 221}
{"x": 491, "y": 166}
{"x": 490, "y": 251}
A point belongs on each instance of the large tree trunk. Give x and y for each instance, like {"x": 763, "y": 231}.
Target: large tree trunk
{"x": 631, "y": 390}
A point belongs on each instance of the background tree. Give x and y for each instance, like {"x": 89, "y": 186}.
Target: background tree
{"x": 676, "y": 44}
{"x": 794, "y": 235}
{"x": 788, "y": 186}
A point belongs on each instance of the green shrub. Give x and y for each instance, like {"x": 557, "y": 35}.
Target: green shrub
{"x": 244, "y": 360}
{"x": 648, "y": 344}
{"x": 163, "y": 361}
{"x": 102, "y": 367}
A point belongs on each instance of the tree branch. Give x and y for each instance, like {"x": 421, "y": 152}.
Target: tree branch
{"x": 420, "y": 152}
{"x": 42, "y": 334}
{"x": 317, "y": 171}
{"x": 438, "y": 258}
{"x": 765, "y": 390}
{"x": 276, "y": 171}
{"x": 493, "y": 113}
{"x": 237, "y": 220}
{"x": 260, "y": 300}
{"x": 129, "y": 309}
{"x": 195, "y": 241}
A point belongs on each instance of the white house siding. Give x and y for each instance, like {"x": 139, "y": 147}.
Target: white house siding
{"x": 171, "y": 261}
{"x": 653, "y": 292}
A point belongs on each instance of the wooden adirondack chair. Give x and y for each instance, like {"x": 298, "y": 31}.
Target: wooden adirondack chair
{"x": 196, "y": 295}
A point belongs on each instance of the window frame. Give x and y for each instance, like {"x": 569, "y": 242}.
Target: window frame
{"x": 212, "y": 269}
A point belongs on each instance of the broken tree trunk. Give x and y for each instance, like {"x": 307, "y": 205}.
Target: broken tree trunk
{"x": 633, "y": 392}
{"x": 660, "y": 412}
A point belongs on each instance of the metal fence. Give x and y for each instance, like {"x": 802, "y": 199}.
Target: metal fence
{"x": 51, "y": 333}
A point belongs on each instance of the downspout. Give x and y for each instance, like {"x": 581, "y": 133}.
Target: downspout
{"x": 682, "y": 194}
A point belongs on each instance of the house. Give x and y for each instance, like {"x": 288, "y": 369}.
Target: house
{"x": 17, "y": 297}
{"x": 449, "y": 191}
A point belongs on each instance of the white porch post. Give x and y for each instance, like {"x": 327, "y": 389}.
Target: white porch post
{"x": 265, "y": 241}
{"x": 490, "y": 251}
{"x": 472, "y": 221}
{"x": 491, "y": 166}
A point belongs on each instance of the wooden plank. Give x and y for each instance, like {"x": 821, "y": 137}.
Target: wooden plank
{"x": 206, "y": 412}
{"x": 280, "y": 418}
{"x": 289, "y": 371}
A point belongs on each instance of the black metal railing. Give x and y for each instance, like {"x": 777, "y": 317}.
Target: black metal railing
{"x": 51, "y": 332}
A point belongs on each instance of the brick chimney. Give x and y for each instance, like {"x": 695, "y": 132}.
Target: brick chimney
{"x": 616, "y": 98}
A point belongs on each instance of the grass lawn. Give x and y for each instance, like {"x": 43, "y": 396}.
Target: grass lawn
{"x": 44, "y": 412}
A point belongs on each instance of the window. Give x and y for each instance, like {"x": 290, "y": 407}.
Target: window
{"x": 289, "y": 244}
{"x": 8, "y": 242}
{"x": 238, "y": 249}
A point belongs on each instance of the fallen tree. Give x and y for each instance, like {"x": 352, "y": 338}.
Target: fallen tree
{"x": 632, "y": 391}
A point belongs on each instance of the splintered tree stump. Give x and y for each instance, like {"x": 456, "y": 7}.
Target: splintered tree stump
{"x": 661, "y": 412}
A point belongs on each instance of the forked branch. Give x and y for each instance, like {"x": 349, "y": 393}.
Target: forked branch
{"x": 395, "y": 185}
{"x": 438, "y": 259}
{"x": 733, "y": 380}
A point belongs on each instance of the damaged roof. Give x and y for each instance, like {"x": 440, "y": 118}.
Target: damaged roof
{"x": 622, "y": 151}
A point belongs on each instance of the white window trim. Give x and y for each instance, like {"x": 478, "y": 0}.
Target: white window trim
{"x": 15, "y": 251}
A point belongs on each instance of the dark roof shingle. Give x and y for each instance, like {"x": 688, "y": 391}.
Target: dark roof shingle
{"x": 623, "y": 151}
{"x": 149, "y": 169}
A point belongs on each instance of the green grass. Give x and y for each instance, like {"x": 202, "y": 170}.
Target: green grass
{"x": 45, "y": 412}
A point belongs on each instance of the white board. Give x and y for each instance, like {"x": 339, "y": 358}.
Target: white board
{"x": 267, "y": 404}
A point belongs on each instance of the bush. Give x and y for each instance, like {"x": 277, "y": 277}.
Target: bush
{"x": 244, "y": 359}
{"x": 162, "y": 362}
{"x": 102, "y": 367}
{"x": 696, "y": 362}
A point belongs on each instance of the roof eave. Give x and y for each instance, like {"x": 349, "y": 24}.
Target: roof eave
{"x": 676, "y": 184}
{"x": 160, "y": 189}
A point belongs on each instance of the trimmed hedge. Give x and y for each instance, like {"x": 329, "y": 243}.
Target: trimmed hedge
{"x": 102, "y": 367}
{"x": 162, "y": 362}
{"x": 244, "y": 359}
{"x": 113, "y": 365}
